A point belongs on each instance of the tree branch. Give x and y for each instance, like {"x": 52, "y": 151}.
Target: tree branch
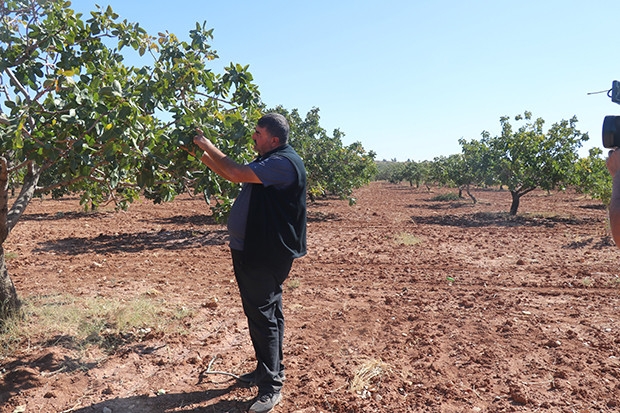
{"x": 17, "y": 83}
{"x": 4, "y": 199}
{"x": 25, "y": 195}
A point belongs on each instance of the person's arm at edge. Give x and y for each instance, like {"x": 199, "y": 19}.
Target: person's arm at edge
{"x": 613, "y": 164}
{"x": 221, "y": 164}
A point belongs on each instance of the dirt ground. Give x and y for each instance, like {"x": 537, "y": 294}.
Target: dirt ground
{"x": 403, "y": 304}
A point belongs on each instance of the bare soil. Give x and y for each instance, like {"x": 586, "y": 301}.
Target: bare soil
{"x": 403, "y": 304}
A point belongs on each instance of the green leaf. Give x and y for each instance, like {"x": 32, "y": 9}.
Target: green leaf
{"x": 116, "y": 86}
{"x": 18, "y": 141}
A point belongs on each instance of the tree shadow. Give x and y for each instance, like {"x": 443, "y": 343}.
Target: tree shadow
{"x": 57, "y": 216}
{"x": 197, "y": 219}
{"x": 500, "y": 219}
{"x": 201, "y": 219}
{"x": 604, "y": 242}
{"x": 135, "y": 242}
{"x": 442, "y": 205}
{"x": 178, "y": 402}
{"x": 601, "y": 206}
{"x": 21, "y": 375}
{"x": 317, "y": 216}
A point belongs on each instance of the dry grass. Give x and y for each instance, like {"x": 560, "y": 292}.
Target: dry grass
{"x": 369, "y": 373}
{"x": 407, "y": 239}
{"x": 84, "y": 321}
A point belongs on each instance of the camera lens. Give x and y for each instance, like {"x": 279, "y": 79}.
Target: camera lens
{"x": 611, "y": 131}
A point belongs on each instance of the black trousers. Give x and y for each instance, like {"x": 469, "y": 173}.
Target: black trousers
{"x": 260, "y": 287}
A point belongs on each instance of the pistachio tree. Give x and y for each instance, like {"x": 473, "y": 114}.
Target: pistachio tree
{"x": 76, "y": 118}
{"x": 531, "y": 157}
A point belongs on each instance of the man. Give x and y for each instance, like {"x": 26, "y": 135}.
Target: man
{"x": 613, "y": 165}
{"x": 267, "y": 229}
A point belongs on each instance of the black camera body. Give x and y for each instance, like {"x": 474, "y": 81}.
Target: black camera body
{"x": 611, "y": 124}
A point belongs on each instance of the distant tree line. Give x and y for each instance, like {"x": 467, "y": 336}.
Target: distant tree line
{"x": 519, "y": 159}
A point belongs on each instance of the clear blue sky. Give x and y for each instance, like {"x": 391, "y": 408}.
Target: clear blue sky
{"x": 408, "y": 78}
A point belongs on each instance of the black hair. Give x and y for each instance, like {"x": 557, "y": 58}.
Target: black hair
{"x": 276, "y": 125}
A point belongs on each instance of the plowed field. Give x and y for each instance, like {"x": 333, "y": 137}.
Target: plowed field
{"x": 404, "y": 304}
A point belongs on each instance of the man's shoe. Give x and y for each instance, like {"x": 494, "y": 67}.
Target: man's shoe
{"x": 265, "y": 403}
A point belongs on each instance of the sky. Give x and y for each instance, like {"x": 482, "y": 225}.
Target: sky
{"x": 409, "y": 78}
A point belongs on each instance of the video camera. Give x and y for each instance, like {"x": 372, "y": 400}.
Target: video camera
{"x": 611, "y": 124}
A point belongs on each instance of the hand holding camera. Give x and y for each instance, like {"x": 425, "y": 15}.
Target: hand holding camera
{"x": 613, "y": 162}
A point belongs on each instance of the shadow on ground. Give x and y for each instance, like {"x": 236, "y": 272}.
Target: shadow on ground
{"x": 483, "y": 219}
{"x": 141, "y": 241}
{"x": 177, "y": 402}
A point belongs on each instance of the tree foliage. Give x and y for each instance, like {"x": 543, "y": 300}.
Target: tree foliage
{"x": 415, "y": 173}
{"x": 86, "y": 122}
{"x": 75, "y": 118}
{"x": 592, "y": 177}
{"x": 390, "y": 171}
{"x": 530, "y": 158}
{"x": 333, "y": 168}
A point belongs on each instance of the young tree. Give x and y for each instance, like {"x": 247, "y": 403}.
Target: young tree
{"x": 391, "y": 171}
{"x": 531, "y": 158}
{"x": 426, "y": 175}
{"x": 471, "y": 167}
{"x": 438, "y": 171}
{"x": 460, "y": 173}
{"x": 413, "y": 172}
{"x": 76, "y": 119}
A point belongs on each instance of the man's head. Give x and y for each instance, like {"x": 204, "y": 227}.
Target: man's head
{"x": 271, "y": 132}
{"x": 276, "y": 125}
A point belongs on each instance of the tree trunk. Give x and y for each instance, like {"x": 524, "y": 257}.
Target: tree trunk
{"x": 4, "y": 200}
{"x": 9, "y": 301}
{"x": 516, "y": 197}
{"x": 473, "y": 198}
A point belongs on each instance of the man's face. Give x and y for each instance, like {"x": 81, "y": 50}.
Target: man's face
{"x": 263, "y": 140}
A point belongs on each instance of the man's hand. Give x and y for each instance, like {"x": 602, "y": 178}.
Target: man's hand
{"x": 200, "y": 140}
{"x": 613, "y": 162}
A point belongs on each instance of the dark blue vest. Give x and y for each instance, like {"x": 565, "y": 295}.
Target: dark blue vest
{"x": 276, "y": 226}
